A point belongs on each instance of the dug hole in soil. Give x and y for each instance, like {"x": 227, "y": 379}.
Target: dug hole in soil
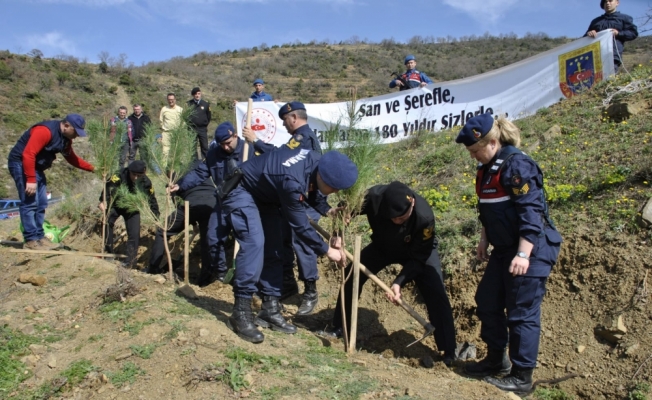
{"x": 597, "y": 280}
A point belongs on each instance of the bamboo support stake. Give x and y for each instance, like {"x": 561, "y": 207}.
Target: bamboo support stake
{"x": 186, "y": 250}
{"x": 355, "y": 293}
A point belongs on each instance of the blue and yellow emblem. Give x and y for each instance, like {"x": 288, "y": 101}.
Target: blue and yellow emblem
{"x": 580, "y": 69}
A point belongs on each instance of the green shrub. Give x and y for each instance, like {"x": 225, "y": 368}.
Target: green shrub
{"x": 5, "y": 71}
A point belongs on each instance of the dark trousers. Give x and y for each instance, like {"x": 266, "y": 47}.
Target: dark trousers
{"x": 509, "y": 309}
{"x": 132, "y": 221}
{"x": 429, "y": 282}
{"x": 199, "y": 214}
{"x": 202, "y": 138}
{"x": 306, "y": 257}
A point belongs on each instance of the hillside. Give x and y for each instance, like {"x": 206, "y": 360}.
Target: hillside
{"x": 60, "y": 341}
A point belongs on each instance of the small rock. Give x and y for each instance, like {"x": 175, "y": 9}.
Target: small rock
{"x": 646, "y": 214}
{"x": 160, "y": 279}
{"x": 409, "y": 392}
{"x": 551, "y": 133}
{"x": 632, "y": 350}
{"x": 43, "y": 310}
{"x": 203, "y": 332}
{"x": 559, "y": 365}
{"x": 30, "y": 309}
{"x": 581, "y": 348}
{"x": 104, "y": 378}
{"x": 76, "y": 326}
{"x": 52, "y": 362}
{"x": 24, "y": 286}
{"x": 427, "y": 361}
{"x": 123, "y": 356}
{"x": 5, "y": 318}
{"x": 37, "y": 349}
{"x": 513, "y": 396}
{"x": 250, "y": 379}
{"x": 101, "y": 390}
{"x": 28, "y": 329}
{"x": 465, "y": 351}
{"x": 36, "y": 280}
{"x": 359, "y": 362}
{"x": 187, "y": 292}
{"x": 30, "y": 360}
{"x": 285, "y": 363}
{"x": 313, "y": 390}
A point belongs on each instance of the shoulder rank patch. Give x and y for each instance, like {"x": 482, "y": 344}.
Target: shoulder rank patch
{"x": 427, "y": 233}
{"x": 151, "y": 190}
{"x": 523, "y": 190}
{"x": 293, "y": 144}
{"x": 115, "y": 179}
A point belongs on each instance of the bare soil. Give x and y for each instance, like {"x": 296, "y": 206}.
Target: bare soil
{"x": 597, "y": 276}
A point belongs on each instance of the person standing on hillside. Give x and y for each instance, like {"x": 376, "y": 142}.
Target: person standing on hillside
{"x": 411, "y": 78}
{"x": 273, "y": 187}
{"x": 134, "y": 176}
{"x": 34, "y": 153}
{"x": 170, "y": 118}
{"x": 403, "y": 232}
{"x": 295, "y": 120}
{"x": 140, "y": 121}
{"x": 199, "y": 119}
{"x": 224, "y": 156}
{"x": 515, "y": 221}
{"x": 122, "y": 125}
{"x": 621, "y": 25}
{"x": 259, "y": 94}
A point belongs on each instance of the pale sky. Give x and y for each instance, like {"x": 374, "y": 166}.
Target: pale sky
{"x": 157, "y": 30}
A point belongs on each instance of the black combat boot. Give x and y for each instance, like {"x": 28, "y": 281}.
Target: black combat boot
{"x": 519, "y": 380}
{"x": 241, "y": 321}
{"x": 496, "y": 362}
{"x": 270, "y": 316}
{"x": 309, "y": 298}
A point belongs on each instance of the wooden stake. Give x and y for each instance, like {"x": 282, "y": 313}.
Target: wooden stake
{"x": 355, "y": 293}
{"x": 186, "y": 250}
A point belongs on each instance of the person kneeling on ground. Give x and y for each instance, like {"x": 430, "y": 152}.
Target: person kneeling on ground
{"x": 403, "y": 226}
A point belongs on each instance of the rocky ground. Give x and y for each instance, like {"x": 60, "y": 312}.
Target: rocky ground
{"x": 162, "y": 344}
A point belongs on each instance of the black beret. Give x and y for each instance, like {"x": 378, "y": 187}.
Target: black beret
{"x": 137, "y": 167}
{"x": 397, "y": 199}
{"x": 475, "y": 129}
{"x": 195, "y": 90}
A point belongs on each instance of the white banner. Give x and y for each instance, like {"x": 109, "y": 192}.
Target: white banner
{"x": 517, "y": 90}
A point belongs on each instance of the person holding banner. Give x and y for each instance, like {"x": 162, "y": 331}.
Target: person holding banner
{"x": 259, "y": 94}
{"x": 411, "y": 78}
{"x": 269, "y": 188}
{"x": 515, "y": 221}
{"x": 621, "y": 25}
{"x": 295, "y": 120}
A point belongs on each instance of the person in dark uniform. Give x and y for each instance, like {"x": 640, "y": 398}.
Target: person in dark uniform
{"x": 140, "y": 120}
{"x": 516, "y": 223}
{"x": 134, "y": 176}
{"x": 411, "y": 78}
{"x": 200, "y": 118}
{"x": 621, "y": 26}
{"x": 403, "y": 226}
{"x": 224, "y": 156}
{"x": 202, "y": 201}
{"x": 274, "y": 186}
{"x": 295, "y": 120}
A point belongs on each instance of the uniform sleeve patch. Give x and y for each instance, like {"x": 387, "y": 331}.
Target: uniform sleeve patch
{"x": 293, "y": 144}
{"x": 524, "y": 190}
{"x": 151, "y": 190}
{"x": 427, "y": 233}
{"x": 115, "y": 179}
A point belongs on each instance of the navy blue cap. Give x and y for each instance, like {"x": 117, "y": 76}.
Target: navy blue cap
{"x": 409, "y": 57}
{"x": 78, "y": 122}
{"x": 223, "y": 132}
{"x": 257, "y": 81}
{"x": 289, "y": 107}
{"x": 337, "y": 170}
{"x": 475, "y": 129}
